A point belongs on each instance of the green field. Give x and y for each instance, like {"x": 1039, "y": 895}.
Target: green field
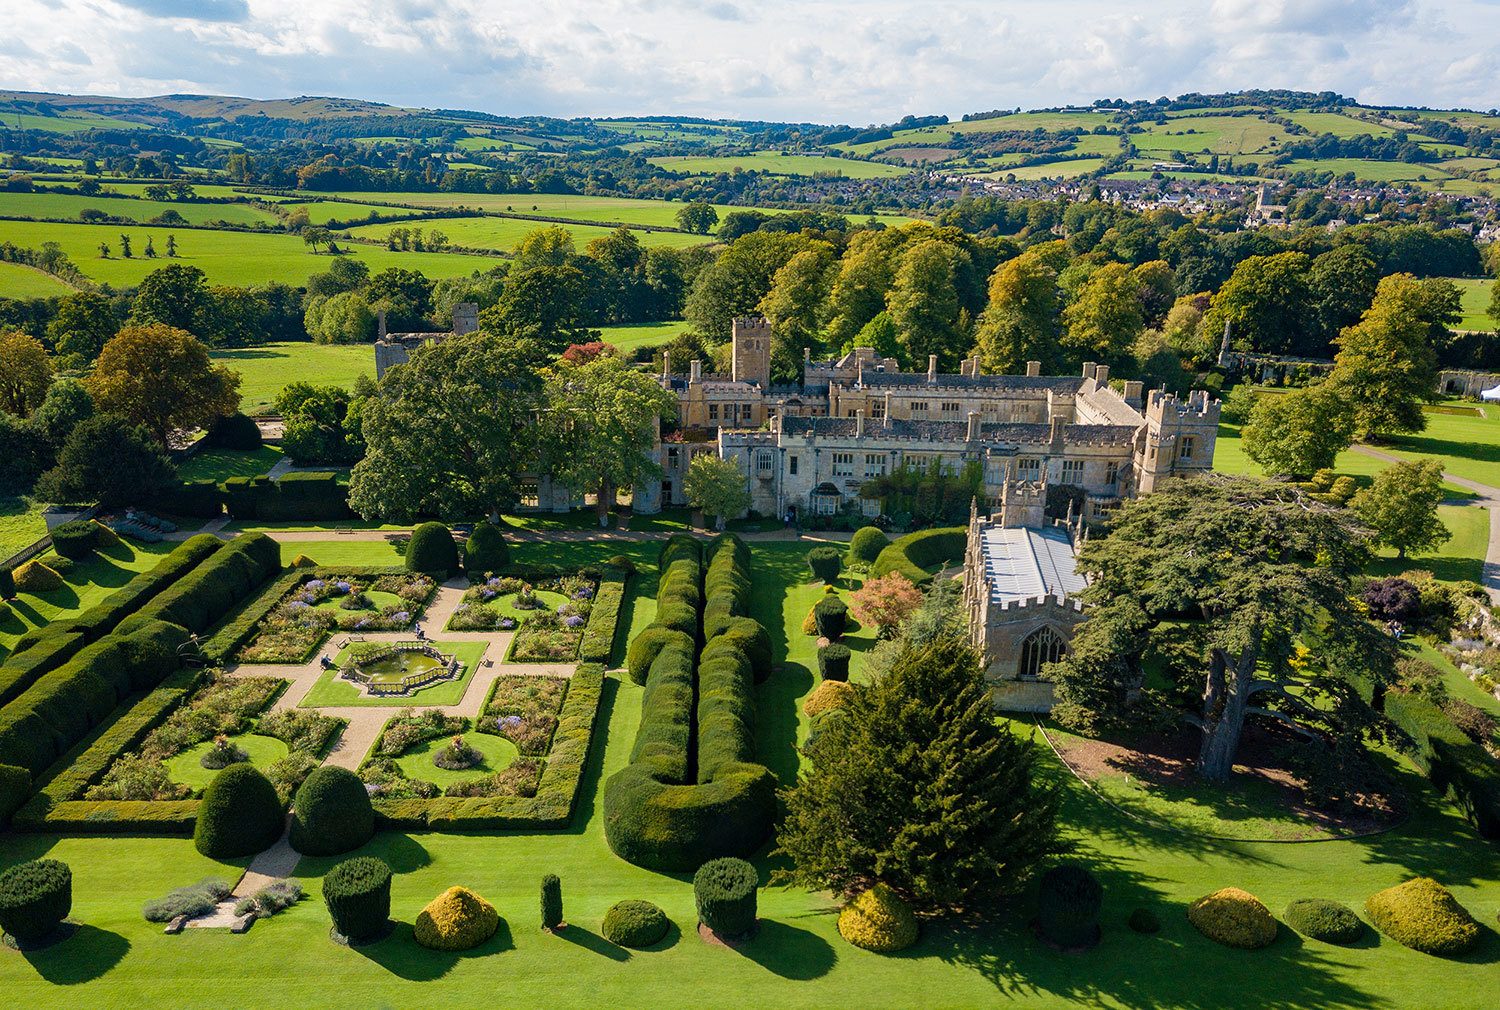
{"x": 1337, "y": 124}
{"x": 323, "y": 211}
{"x": 88, "y": 582}
{"x": 21, "y": 524}
{"x": 61, "y": 206}
{"x": 20, "y": 281}
{"x": 67, "y": 122}
{"x": 779, "y": 164}
{"x": 241, "y": 258}
{"x": 1211, "y": 134}
{"x": 505, "y": 233}
{"x": 266, "y": 370}
{"x": 1476, "y": 303}
{"x": 627, "y": 338}
{"x": 1050, "y": 169}
{"x": 1374, "y": 171}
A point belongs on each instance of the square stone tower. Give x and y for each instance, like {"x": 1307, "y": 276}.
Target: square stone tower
{"x": 1179, "y": 438}
{"x": 751, "y": 350}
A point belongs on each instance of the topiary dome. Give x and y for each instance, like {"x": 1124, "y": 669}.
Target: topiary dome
{"x": 878, "y": 920}
{"x": 1234, "y": 918}
{"x": 240, "y": 814}
{"x": 332, "y": 813}
{"x": 457, "y": 919}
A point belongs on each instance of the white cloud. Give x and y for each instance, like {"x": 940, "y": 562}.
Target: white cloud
{"x": 856, "y": 61}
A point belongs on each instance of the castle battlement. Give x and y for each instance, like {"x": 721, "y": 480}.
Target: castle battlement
{"x": 1055, "y": 602}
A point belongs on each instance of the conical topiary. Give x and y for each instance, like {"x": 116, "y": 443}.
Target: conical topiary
{"x": 457, "y": 919}
{"x": 485, "y": 550}
{"x": 240, "y": 814}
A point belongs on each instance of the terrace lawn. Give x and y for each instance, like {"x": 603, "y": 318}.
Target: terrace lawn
{"x": 330, "y": 691}
{"x": 505, "y": 233}
{"x": 227, "y": 257}
{"x": 221, "y": 464}
{"x": 1461, "y": 559}
{"x": 88, "y": 582}
{"x": 58, "y": 206}
{"x": 797, "y": 961}
{"x": 335, "y": 553}
{"x": 20, "y": 281}
{"x": 21, "y": 524}
{"x": 497, "y": 752}
{"x": 628, "y": 337}
{"x": 266, "y": 370}
{"x": 1476, "y": 293}
{"x": 779, "y": 164}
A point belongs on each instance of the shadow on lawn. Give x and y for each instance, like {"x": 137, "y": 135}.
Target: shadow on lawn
{"x": 402, "y": 956}
{"x": 776, "y": 729}
{"x": 790, "y": 952}
{"x": 86, "y": 955}
{"x": 1478, "y": 452}
{"x": 592, "y": 941}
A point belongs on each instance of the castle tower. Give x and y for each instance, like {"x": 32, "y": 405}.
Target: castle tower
{"x": 751, "y": 350}
{"x": 465, "y": 318}
{"x": 1023, "y": 503}
{"x": 1178, "y": 439}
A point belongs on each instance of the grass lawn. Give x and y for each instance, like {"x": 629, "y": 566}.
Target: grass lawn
{"x": 21, "y": 524}
{"x": 1467, "y": 446}
{"x": 497, "y": 753}
{"x": 20, "y": 281}
{"x": 221, "y": 464}
{"x": 506, "y": 605}
{"x": 628, "y": 337}
{"x": 779, "y": 164}
{"x": 343, "y": 552}
{"x": 186, "y": 767}
{"x": 1460, "y": 559}
{"x": 88, "y": 582}
{"x": 266, "y": 370}
{"x": 1458, "y": 685}
{"x": 227, "y": 257}
{"x": 1475, "y": 293}
{"x": 331, "y": 692}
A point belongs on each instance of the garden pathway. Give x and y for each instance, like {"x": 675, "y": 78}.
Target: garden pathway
{"x": 1489, "y": 497}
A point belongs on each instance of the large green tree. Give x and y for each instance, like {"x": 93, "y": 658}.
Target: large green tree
{"x": 924, "y": 303}
{"x": 25, "y": 372}
{"x": 698, "y": 218}
{"x": 1296, "y": 434}
{"x": 1267, "y": 303}
{"x": 84, "y": 323}
{"x": 163, "y": 378}
{"x": 914, "y": 784}
{"x": 738, "y": 280}
{"x": 450, "y": 431}
{"x": 1021, "y": 322}
{"x": 1220, "y": 578}
{"x": 599, "y": 427}
{"x": 545, "y": 305}
{"x": 795, "y": 307}
{"x": 716, "y": 487}
{"x": 108, "y": 460}
{"x": 1401, "y": 507}
{"x": 865, "y": 275}
{"x": 1385, "y": 363}
{"x": 177, "y": 296}
{"x": 1103, "y": 321}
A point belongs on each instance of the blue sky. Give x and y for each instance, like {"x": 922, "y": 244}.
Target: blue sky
{"x": 816, "y": 60}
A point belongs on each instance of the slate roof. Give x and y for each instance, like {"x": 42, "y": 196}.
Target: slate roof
{"x": 952, "y": 431}
{"x": 1023, "y": 563}
{"x": 1056, "y": 383}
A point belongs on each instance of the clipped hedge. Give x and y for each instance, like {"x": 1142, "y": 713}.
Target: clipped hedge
{"x": 35, "y": 898}
{"x": 240, "y": 814}
{"x": 826, "y": 697}
{"x": 1319, "y": 919}
{"x": 551, "y": 809}
{"x": 598, "y": 644}
{"x": 825, "y": 563}
{"x": 76, "y": 539}
{"x": 1455, "y": 763}
{"x": 866, "y": 544}
{"x": 1234, "y": 918}
{"x": 833, "y": 662}
{"x": 660, "y": 811}
{"x": 457, "y": 919}
{"x": 831, "y": 617}
{"x": 235, "y": 431}
{"x": 552, "y": 903}
{"x": 36, "y": 577}
{"x": 635, "y": 924}
{"x": 332, "y": 813}
{"x": 914, "y": 553}
{"x": 358, "y": 895}
{"x": 1423, "y": 915}
{"x": 432, "y": 551}
{"x": 648, "y": 645}
{"x": 300, "y": 495}
{"x": 678, "y": 599}
{"x": 200, "y": 599}
{"x": 1068, "y": 906}
{"x": 878, "y": 920}
{"x": 724, "y": 891}
{"x": 15, "y": 790}
{"x": 485, "y": 550}
{"x": 202, "y": 499}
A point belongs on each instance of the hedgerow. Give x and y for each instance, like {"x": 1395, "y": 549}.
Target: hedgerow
{"x": 201, "y": 598}
{"x": 664, "y": 811}
{"x": 598, "y": 644}
{"x": 914, "y": 553}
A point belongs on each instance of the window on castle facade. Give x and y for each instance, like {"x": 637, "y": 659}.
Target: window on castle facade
{"x": 919, "y": 406}
{"x": 765, "y": 462}
{"x": 529, "y": 498}
{"x": 877, "y": 408}
{"x": 1185, "y": 447}
{"x": 1041, "y": 647}
{"x": 1111, "y": 473}
{"x": 1072, "y": 471}
{"x": 951, "y": 407}
{"x": 672, "y": 453}
{"x": 843, "y": 464}
{"x": 916, "y": 460}
{"x": 874, "y": 464}
{"x": 713, "y": 411}
{"x": 1028, "y": 468}
{"x": 791, "y": 465}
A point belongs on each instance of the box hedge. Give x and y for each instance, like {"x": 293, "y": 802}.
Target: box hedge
{"x": 299, "y": 495}
{"x": 432, "y": 551}
{"x": 332, "y": 813}
{"x": 202, "y": 499}
{"x": 201, "y": 598}
{"x": 635, "y": 924}
{"x": 914, "y": 553}
{"x": 35, "y": 898}
{"x": 240, "y": 815}
{"x": 15, "y": 790}
{"x": 724, "y": 892}
{"x": 598, "y": 644}
{"x": 358, "y": 895}
{"x": 1423, "y": 915}
{"x": 75, "y": 539}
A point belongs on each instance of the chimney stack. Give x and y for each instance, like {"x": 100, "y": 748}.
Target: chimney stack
{"x": 859, "y": 424}
{"x": 666, "y": 364}
{"x": 1133, "y": 389}
{"x": 1033, "y": 368}
{"x": 973, "y": 435}
{"x": 695, "y": 370}
{"x": 1089, "y": 368}
{"x": 974, "y": 368}
{"x": 1101, "y": 375}
{"x": 932, "y": 368}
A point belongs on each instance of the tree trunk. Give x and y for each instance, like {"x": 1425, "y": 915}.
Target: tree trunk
{"x": 602, "y": 505}
{"x": 1225, "y": 699}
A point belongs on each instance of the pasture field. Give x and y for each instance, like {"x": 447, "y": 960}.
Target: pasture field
{"x": 1374, "y": 171}
{"x": 61, "y": 206}
{"x": 20, "y": 281}
{"x": 323, "y": 211}
{"x": 1337, "y": 124}
{"x": 1052, "y": 169}
{"x": 67, "y": 122}
{"x": 505, "y": 233}
{"x": 266, "y": 370}
{"x": 1476, "y": 294}
{"x": 227, "y": 257}
{"x": 1211, "y": 134}
{"x": 780, "y": 164}
{"x": 492, "y": 144}
{"x": 137, "y": 188}
{"x": 630, "y": 336}
{"x": 797, "y": 959}
{"x": 602, "y": 209}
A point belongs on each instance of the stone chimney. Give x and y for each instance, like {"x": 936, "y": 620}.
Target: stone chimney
{"x": 859, "y": 424}
{"x": 974, "y": 368}
{"x": 695, "y": 370}
{"x": 1101, "y": 375}
{"x": 1133, "y": 389}
{"x": 1055, "y": 435}
{"x": 932, "y": 369}
{"x": 1089, "y": 368}
{"x": 963, "y": 368}
{"x": 380, "y": 330}
{"x": 974, "y": 418}
{"x": 666, "y": 364}
{"x": 1033, "y": 368}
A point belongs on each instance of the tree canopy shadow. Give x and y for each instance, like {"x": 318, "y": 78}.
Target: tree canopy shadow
{"x": 789, "y": 951}
{"x": 777, "y": 716}
{"x": 88, "y": 954}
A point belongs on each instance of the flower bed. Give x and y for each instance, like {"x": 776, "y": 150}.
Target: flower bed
{"x": 412, "y": 740}
{"x": 329, "y": 600}
{"x": 504, "y": 603}
{"x": 524, "y": 710}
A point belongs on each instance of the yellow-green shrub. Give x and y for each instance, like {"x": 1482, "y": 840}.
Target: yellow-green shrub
{"x": 457, "y": 919}
{"x": 828, "y": 695}
{"x": 878, "y": 920}
{"x": 1234, "y": 918}
{"x": 1423, "y": 915}
{"x": 35, "y": 577}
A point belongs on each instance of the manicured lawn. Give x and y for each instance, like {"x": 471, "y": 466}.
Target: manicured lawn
{"x": 21, "y": 524}
{"x": 187, "y": 768}
{"x": 342, "y": 552}
{"x": 88, "y": 582}
{"x": 797, "y": 960}
{"x": 1460, "y": 559}
{"x": 20, "y": 281}
{"x": 221, "y": 464}
{"x": 627, "y": 338}
{"x": 266, "y": 370}
{"x": 330, "y": 691}
{"x": 1467, "y": 446}
{"x": 1476, "y": 303}
{"x": 497, "y": 752}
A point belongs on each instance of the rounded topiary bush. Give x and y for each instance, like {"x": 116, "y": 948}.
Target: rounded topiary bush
{"x": 833, "y": 662}
{"x": 1328, "y": 921}
{"x": 1143, "y": 920}
{"x": 866, "y": 544}
{"x": 1234, "y": 918}
{"x": 826, "y": 697}
{"x": 74, "y": 539}
{"x": 878, "y": 920}
{"x": 635, "y": 924}
{"x": 1423, "y": 915}
{"x": 240, "y": 814}
{"x": 725, "y": 892}
{"x": 35, "y": 898}
{"x": 332, "y": 813}
{"x": 36, "y": 577}
{"x": 237, "y": 431}
{"x": 825, "y": 563}
{"x": 431, "y": 550}
{"x": 1068, "y": 906}
{"x": 358, "y": 895}
{"x": 485, "y": 550}
{"x": 831, "y": 616}
{"x": 457, "y": 919}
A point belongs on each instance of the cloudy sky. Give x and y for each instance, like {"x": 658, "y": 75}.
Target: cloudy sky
{"x": 816, "y": 60}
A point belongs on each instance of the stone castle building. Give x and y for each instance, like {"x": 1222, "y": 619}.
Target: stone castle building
{"x": 393, "y": 349}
